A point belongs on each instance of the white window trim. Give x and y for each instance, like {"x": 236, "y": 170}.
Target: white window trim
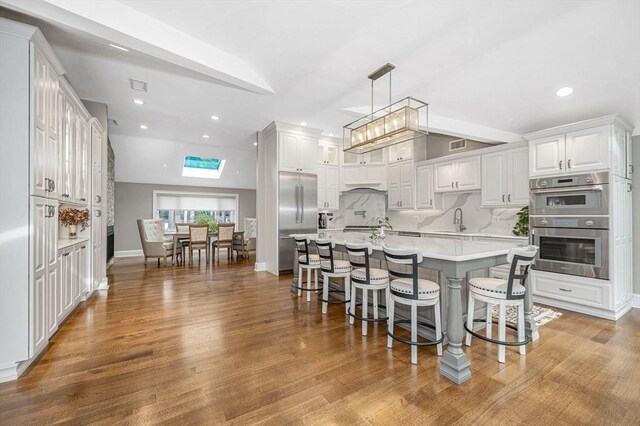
{"x": 211, "y": 194}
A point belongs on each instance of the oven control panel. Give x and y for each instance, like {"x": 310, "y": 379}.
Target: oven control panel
{"x": 570, "y": 222}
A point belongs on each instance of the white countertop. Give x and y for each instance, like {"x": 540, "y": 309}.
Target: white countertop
{"x": 434, "y": 248}
{"x": 452, "y": 233}
{"x": 64, "y": 243}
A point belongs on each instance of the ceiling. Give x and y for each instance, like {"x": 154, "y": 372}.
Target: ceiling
{"x": 495, "y": 65}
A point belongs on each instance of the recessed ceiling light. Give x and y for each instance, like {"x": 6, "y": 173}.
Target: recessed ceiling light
{"x": 205, "y": 136}
{"x": 564, "y": 91}
{"x": 304, "y": 123}
{"x": 255, "y": 144}
{"x": 144, "y": 127}
{"x": 164, "y": 164}
{"x": 115, "y": 46}
{"x": 331, "y": 134}
{"x": 215, "y": 117}
{"x": 138, "y": 101}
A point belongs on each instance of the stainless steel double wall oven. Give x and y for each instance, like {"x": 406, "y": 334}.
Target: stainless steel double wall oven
{"x": 569, "y": 218}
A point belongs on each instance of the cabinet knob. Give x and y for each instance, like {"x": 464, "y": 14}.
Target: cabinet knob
{"x": 503, "y": 198}
{"x": 509, "y": 198}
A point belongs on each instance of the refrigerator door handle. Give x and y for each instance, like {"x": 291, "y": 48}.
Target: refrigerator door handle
{"x": 297, "y": 205}
{"x": 302, "y": 202}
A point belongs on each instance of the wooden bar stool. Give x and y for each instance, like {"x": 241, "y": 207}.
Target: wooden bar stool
{"x": 333, "y": 268}
{"x": 406, "y": 288}
{"x": 503, "y": 293}
{"x": 365, "y": 278}
{"x": 309, "y": 263}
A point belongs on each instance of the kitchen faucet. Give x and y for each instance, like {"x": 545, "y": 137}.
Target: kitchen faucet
{"x": 458, "y": 222}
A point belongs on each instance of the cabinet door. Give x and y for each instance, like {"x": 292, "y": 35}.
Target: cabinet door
{"x": 307, "y": 155}
{"x": 322, "y": 178}
{"x": 63, "y": 276}
{"x": 547, "y": 156}
{"x": 77, "y": 284}
{"x": 96, "y": 166}
{"x": 407, "y": 169}
{"x": 67, "y": 175}
{"x": 517, "y": 177}
{"x": 53, "y": 130}
{"x": 99, "y": 261}
{"x": 424, "y": 187}
{"x": 628, "y": 156}
{"x": 406, "y": 196}
{"x": 70, "y": 283}
{"x": 328, "y": 153}
{"x": 394, "y": 182}
{"x": 288, "y": 152}
{"x": 587, "y": 150}
{"x": 468, "y": 174}
{"x": 494, "y": 179}
{"x": 332, "y": 187}
{"x": 39, "y": 183}
{"x": 444, "y": 177}
{"x": 39, "y": 217}
{"x": 52, "y": 294}
{"x": 82, "y": 167}
{"x": 372, "y": 157}
{"x": 394, "y": 196}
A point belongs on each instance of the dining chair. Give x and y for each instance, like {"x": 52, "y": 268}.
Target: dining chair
{"x": 183, "y": 228}
{"x": 225, "y": 239}
{"x": 154, "y": 242}
{"x": 198, "y": 240}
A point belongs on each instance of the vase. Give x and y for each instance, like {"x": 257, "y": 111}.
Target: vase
{"x": 73, "y": 232}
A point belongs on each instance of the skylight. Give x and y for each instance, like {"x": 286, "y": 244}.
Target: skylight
{"x": 201, "y": 167}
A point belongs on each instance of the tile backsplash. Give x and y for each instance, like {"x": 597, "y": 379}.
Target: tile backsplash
{"x": 499, "y": 221}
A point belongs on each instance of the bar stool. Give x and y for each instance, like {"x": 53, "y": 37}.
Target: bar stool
{"x": 308, "y": 262}
{"x": 407, "y": 289}
{"x": 365, "y": 278}
{"x": 503, "y": 293}
{"x": 333, "y": 268}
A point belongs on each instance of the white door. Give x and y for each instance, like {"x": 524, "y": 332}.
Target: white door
{"x": 39, "y": 212}
{"x": 394, "y": 195}
{"x": 307, "y": 154}
{"x": 468, "y": 176}
{"x": 517, "y": 177}
{"x": 546, "y": 156}
{"x": 394, "y": 181}
{"x": 39, "y": 180}
{"x": 288, "y": 152}
{"x": 332, "y": 187}
{"x": 322, "y": 178}
{"x": 406, "y": 194}
{"x": 444, "y": 177}
{"x": 424, "y": 187}
{"x": 494, "y": 179}
{"x": 587, "y": 150}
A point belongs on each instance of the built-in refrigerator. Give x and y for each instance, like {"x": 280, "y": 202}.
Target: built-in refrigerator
{"x": 298, "y": 213}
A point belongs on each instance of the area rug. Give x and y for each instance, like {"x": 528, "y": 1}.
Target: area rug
{"x": 540, "y": 315}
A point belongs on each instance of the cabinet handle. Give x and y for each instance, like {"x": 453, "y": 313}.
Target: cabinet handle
{"x": 629, "y": 187}
{"x": 452, "y": 184}
{"x": 560, "y": 164}
{"x": 564, "y": 289}
{"x": 456, "y": 184}
{"x": 630, "y": 169}
{"x": 47, "y": 185}
{"x": 83, "y": 247}
{"x": 431, "y": 202}
{"x": 569, "y": 163}
{"x": 83, "y": 199}
{"x": 509, "y": 198}
{"x": 98, "y": 198}
{"x": 503, "y": 198}
{"x": 53, "y": 185}
{"x": 66, "y": 254}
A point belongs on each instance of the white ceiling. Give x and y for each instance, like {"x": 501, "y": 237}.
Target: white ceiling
{"x": 495, "y": 64}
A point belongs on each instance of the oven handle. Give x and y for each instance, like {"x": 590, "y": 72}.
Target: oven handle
{"x": 595, "y": 188}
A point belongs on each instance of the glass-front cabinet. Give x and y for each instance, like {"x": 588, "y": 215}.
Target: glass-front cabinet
{"x": 328, "y": 153}
{"x": 373, "y": 157}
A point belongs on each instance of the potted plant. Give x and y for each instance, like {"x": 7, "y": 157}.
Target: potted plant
{"x": 521, "y": 228}
{"x": 206, "y": 219}
{"x": 73, "y": 218}
{"x": 378, "y": 227}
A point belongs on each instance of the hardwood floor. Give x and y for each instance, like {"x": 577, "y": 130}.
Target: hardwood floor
{"x": 196, "y": 345}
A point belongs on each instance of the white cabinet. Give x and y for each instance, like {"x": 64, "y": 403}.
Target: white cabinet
{"x": 96, "y": 166}
{"x": 505, "y": 178}
{"x": 98, "y": 265}
{"x": 400, "y": 185}
{"x": 368, "y": 158}
{"x": 328, "y": 187}
{"x": 459, "y": 175}
{"x": 400, "y": 151}
{"x": 629, "y": 169}
{"x": 67, "y": 151}
{"x": 298, "y": 153}
{"x": 328, "y": 153}
{"x": 573, "y": 152}
{"x": 424, "y": 187}
{"x": 82, "y": 161}
{"x": 366, "y": 175}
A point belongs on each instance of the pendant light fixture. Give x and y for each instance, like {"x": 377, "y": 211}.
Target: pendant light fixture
{"x": 398, "y": 122}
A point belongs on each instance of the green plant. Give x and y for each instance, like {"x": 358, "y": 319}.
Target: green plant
{"x": 521, "y": 228}
{"x": 378, "y": 227}
{"x": 207, "y": 219}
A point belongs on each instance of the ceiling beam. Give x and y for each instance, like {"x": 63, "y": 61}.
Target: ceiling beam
{"x": 122, "y": 25}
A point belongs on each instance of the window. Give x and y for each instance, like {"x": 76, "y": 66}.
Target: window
{"x": 191, "y": 207}
{"x": 201, "y": 167}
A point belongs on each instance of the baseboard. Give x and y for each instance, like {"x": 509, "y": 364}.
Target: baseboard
{"x": 12, "y": 372}
{"x": 128, "y": 253}
{"x": 636, "y": 301}
{"x": 104, "y": 284}
{"x": 260, "y": 266}
{"x": 596, "y": 312}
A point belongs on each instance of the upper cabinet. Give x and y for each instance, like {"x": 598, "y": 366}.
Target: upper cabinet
{"x": 505, "y": 180}
{"x": 298, "y": 153}
{"x": 400, "y": 185}
{"x": 571, "y": 152}
{"x": 458, "y": 175}
{"x": 328, "y": 187}
{"x": 373, "y": 157}
{"x": 399, "y": 152}
{"x": 328, "y": 153}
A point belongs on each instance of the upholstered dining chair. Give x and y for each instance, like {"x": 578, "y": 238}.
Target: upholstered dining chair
{"x": 154, "y": 242}
{"x": 183, "y": 228}
{"x": 198, "y": 240}
{"x": 225, "y": 239}
{"x": 247, "y": 244}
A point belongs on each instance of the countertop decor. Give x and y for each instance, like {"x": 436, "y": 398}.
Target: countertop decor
{"x": 521, "y": 228}
{"x": 73, "y": 218}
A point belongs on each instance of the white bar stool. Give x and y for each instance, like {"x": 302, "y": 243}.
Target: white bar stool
{"x": 365, "y": 278}
{"x": 503, "y": 293}
{"x": 307, "y": 262}
{"x": 406, "y": 288}
{"x": 333, "y": 268}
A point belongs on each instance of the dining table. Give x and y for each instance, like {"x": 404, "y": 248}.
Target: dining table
{"x": 210, "y": 236}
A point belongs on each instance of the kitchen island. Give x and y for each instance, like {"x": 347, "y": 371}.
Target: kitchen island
{"x": 454, "y": 259}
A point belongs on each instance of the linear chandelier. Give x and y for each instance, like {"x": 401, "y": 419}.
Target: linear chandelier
{"x": 398, "y": 122}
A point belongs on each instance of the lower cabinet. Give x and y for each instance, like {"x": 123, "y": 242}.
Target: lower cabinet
{"x": 73, "y": 269}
